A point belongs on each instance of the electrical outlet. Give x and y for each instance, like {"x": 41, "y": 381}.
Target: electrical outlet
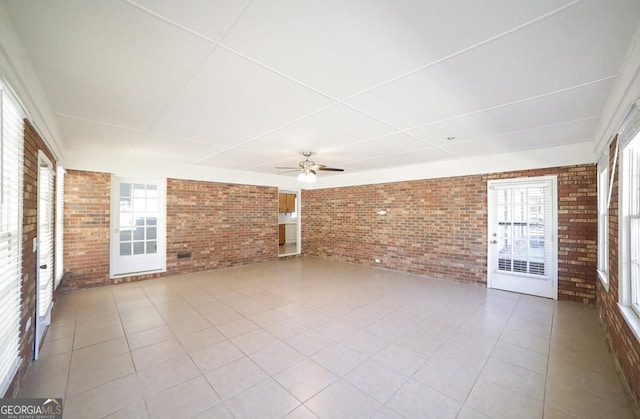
{"x": 377, "y": 260}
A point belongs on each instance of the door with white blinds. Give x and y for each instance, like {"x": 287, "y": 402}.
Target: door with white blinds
{"x": 522, "y": 250}
{"x": 11, "y": 172}
{"x": 46, "y": 224}
{"x": 59, "y": 242}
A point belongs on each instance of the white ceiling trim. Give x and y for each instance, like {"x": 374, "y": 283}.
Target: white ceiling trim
{"x": 564, "y": 155}
{"x": 186, "y": 29}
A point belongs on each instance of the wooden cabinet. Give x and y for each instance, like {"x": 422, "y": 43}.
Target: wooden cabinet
{"x": 291, "y": 203}
{"x": 281, "y": 234}
{"x": 287, "y": 203}
{"x": 282, "y": 207}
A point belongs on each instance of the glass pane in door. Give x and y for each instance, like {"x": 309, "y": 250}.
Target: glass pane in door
{"x": 138, "y": 210}
{"x": 521, "y": 229}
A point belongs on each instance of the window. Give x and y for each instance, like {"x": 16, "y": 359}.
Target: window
{"x": 59, "y": 225}
{"x": 629, "y": 222}
{"x": 11, "y": 171}
{"x": 523, "y": 213}
{"x": 603, "y": 220}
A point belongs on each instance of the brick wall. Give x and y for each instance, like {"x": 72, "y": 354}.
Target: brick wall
{"x": 86, "y": 229}
{"x": 438, "y": 227}
{"x": 577, "y": 228}
{"x": 221, "y": 225}
{"x": 621, "y": 339}
{"x": 432, "y": 227}
{"x": 32, "y": 143}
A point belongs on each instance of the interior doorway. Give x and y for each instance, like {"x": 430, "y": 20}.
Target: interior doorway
{"x": 289, "y": 237}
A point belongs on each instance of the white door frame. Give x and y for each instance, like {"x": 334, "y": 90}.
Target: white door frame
{"x": 544, "y": 286}
{"x": 298, "y": 194}
{"x": 44, "y": 263}
{"x": 159, "y": 263}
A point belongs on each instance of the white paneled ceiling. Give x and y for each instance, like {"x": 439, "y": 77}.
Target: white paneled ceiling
{"x": 364, "y": 84}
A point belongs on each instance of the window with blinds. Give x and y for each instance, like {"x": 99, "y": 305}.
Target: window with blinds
{"x": 59, "y": 225}
{"x": 603, "y": 220}
{"x": 11, "y": 168}
{"x": 632, "y": 172}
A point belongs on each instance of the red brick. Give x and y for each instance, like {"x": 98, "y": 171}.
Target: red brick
{"x": 621, "y": 339}
{"x": 438, "y": 227}
{"x": 221, "y": 225}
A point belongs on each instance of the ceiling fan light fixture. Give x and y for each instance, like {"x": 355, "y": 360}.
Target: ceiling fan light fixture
{"x": 308, "y": 169}
{"x": 308, "y": 177}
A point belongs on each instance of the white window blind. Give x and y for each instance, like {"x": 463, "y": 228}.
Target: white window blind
{"x": 634, "y": 222}
{"x": 603, "y": 220}
{"x": 45, "y": 235}
{"x": 59, "y": 225}
{"x": 11, "y": 162}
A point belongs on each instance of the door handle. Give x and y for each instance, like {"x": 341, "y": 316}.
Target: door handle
{"x": 43, "y": 266}
{"x": 494, "y": 241}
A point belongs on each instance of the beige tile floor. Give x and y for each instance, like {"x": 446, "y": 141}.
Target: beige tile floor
{"x": 306, "y": 338}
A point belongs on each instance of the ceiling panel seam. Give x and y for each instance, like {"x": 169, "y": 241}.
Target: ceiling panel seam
{"x": 317, "y": 91}
{"x": 344, "y": 101}
{"x": 559, "y": 124}
{"x": 198, "y": 67}
{"x": 140, "y": 130}
{"x": 464, "y": 50}
{"x": 515, "y": 102}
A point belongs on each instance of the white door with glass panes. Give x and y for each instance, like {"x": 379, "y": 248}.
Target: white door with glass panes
{"x": 44, "y": 289}
{"x": 138, "y": 242}
{"x": 522, "y": 227}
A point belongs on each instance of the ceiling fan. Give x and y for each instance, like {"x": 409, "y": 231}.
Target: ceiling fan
{"x": 308, "y": 169}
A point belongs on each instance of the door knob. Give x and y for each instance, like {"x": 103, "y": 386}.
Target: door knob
{"x": 43, "y": 266}
{"x": 494, "y": 241}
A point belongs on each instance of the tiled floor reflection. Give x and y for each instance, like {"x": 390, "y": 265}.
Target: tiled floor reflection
{"x": 305, "y": 338}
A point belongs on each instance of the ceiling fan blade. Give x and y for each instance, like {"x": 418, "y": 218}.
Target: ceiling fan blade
{"x": 287, "y": 168}
{"x": 331, "y": 169}
{"x": 288, "y": 171}
{"x": 317, "y": 166}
